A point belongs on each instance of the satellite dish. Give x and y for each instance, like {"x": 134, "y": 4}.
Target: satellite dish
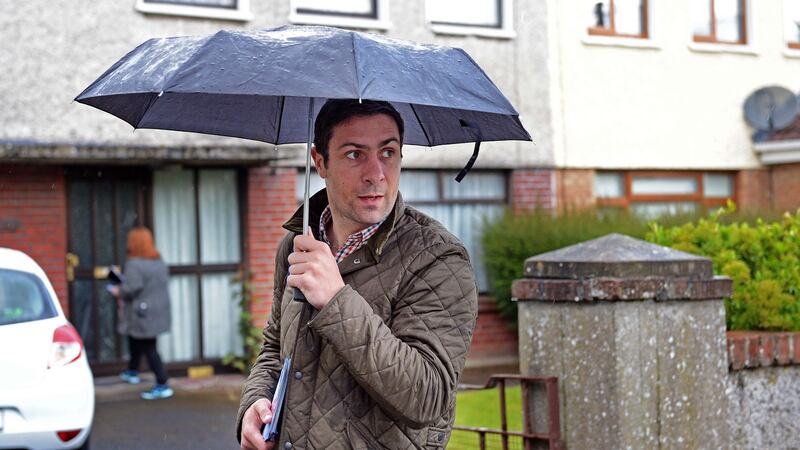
{"x": 771, "y": 108}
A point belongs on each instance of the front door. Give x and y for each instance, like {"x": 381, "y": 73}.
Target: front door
{"x": 103, "y": 205}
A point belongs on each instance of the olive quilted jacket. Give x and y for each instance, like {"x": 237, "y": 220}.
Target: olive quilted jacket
{"x": 378, "y": 366}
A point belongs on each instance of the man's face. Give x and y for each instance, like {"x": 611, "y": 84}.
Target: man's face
{"x": 363, "y": 171}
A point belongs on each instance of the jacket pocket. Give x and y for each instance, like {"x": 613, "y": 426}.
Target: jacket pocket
{"x": 436, "y": 438}
{"x": 360, "y": 438}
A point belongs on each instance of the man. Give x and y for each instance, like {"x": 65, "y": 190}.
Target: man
{"x": 378, "y": 350}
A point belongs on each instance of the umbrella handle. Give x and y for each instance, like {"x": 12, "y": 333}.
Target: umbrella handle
{"x": 299, "y": 296}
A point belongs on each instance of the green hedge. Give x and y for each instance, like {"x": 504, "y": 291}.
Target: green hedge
{"x": 511, "y": 239}
{"x": 760, "y": 257}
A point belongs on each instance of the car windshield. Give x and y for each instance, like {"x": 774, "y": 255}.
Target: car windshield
{"x": 23, "y": 298}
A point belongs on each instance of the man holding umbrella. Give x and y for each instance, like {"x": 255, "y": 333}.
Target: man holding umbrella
{"x": 378, "y": 350}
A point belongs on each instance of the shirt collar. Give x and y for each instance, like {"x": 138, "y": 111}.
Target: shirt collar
{"x": 352, "y": 243}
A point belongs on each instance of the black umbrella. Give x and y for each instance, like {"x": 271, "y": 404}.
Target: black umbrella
{"x": 268, "y": 85}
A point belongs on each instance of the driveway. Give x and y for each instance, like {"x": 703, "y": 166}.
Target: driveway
{"x": 201, "y": 415}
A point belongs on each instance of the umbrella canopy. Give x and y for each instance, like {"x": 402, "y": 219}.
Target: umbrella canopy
{"x": 261, "y": 85}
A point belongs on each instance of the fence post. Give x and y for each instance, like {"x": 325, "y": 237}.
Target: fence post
{"x": 635, "y": 332}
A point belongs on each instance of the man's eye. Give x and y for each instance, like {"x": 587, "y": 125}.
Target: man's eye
{"x": 387, "y": 153}
{"x": 351, "y": 154}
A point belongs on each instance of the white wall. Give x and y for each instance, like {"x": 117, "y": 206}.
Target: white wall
{"x": 53, "y": 49}
{"x": 670, "y": 106}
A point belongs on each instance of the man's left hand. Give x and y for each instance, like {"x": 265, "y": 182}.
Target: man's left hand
{"x": 313, "y": 269}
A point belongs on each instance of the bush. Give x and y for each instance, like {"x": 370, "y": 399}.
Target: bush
{"x": 760, "y": 257}
{"x": 511, "y": 239}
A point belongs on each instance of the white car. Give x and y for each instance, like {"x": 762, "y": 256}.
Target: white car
{"x": 46, "y": 386}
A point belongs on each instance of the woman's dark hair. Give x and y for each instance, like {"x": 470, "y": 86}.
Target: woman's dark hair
{"x": 336, "y": 111}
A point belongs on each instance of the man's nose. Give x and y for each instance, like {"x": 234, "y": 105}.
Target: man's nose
{"x": 373, "y": 170}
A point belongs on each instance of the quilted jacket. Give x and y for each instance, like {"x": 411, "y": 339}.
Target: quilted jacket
{"x": 378, "y": 366}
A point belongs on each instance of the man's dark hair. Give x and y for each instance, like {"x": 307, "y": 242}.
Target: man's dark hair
{"x": 336, "y": 111}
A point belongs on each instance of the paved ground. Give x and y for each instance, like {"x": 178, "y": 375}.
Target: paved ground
{"x": 201, "y": 415}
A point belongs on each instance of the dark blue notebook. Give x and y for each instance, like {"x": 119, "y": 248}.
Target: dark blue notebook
{"x": 271, "y": 429}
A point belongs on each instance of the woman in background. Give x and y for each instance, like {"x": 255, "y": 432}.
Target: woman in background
{"x": 145, "y": 311}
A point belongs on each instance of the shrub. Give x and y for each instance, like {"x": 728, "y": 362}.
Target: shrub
{"x": 760, "y": 257}
{"x": 512, "y": 238}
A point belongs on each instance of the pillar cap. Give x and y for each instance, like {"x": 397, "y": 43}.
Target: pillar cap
{"x": 619, "y": 256}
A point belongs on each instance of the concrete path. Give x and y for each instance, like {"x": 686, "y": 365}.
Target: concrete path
{"x": 201, "y": 415}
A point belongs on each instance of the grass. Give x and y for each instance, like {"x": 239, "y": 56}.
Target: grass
{"x": 482, "y": 409}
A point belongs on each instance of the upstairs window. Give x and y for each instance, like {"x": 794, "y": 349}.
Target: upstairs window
{"x": 791, "y": 20}
{"x": 345, "y": 13}
{"x": 625, "y": 18}
{"x": 719, "y": 21}
{"x": 214, "y": 9}
{"x": 478, "y": 17}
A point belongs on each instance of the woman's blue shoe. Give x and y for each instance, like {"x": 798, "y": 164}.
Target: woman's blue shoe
{"x": 131, "y": 376}
{"x": 158, "y": 391}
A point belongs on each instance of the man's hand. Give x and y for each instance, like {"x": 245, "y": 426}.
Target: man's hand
{"x": 313, "y": 269}
{"x": 256, "y": 416}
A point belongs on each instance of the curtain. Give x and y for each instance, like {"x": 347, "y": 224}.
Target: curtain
{"x": 173, "y": 216}
{"x": 182, "y": 342}
{"x": 221, "y": 316}
{"x": 219, "y": 217}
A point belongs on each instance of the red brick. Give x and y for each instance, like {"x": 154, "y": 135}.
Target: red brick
{"x": 752, "y": 351}
{"x": 766, "y": 344}
{"x": 796, "y": 358}
{"x": 782, "y": 355}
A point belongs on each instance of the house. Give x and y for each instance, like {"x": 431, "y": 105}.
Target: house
{"x": 632, "y": 104}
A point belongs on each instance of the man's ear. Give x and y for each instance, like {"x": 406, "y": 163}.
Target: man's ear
{"x": 319, "y": 162}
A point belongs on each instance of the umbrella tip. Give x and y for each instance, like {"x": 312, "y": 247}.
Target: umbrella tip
{"x": 359, "y": 100}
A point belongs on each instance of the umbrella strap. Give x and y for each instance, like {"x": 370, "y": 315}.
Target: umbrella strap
{"x": 470, "y": 163}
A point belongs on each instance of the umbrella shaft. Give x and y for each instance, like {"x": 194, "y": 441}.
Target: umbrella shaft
{"x": 308, "y": 163}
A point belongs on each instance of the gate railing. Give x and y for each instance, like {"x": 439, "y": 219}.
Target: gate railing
{"x": 553, "y": 435}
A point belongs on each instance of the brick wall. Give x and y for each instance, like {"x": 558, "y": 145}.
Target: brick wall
{"x": 271, "y": 201}
{"x": 786, "y": 187}
{"x": 33, "y": 214}
{"x": 575, "y": 188}
{"x": 492, "y": 339}
{"x": 753, "y": 191}
{"x": 751, "y": 349}
{"x": 532, "y": 189}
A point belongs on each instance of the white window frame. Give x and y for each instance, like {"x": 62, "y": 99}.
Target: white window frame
{"x": 788, "y": 51}
{"x": 381, "y": 22}
{"x": 648, "y": 42}
{"x": 241, "y": 13}
{"x": 505, "y": 31}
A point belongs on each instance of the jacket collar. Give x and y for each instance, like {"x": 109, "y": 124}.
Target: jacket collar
{"x": 317, "y": 204}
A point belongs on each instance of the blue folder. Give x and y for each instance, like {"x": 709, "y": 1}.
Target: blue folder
{"x": 271, "y": 429}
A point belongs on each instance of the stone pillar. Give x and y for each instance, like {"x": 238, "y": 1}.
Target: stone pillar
{"x": 635, "y": 333}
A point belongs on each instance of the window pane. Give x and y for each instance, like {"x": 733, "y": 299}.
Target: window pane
{"x": 609, "y": 185}
{"x": 419, "y": 186}
{"x": 628, "y": 16}
{"x": 476, "y": 185}
{"x": 728, "y": 18}
{"x": 355, "y": 7}
{"x": 653, "y": 210}
{"x": 717, "y": 185}
{"x": 465, "y": 12}
{"x": 317, "y": 183}
{"x": 220, "y": 316}
{"x": 23, "y": 298}
{"x": 600, "y": 11}
{"x": 664, "y": 186}
{"x": 791, "y": 17}
{"x": 219, "y": 217}
{"x": 214, "y": 3}
{"x": 701, "y": 17}
{"x": 182, "y": 342}
{"x": 174, "y": 216}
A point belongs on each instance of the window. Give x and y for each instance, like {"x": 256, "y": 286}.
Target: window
{"x": 196, "y": 217}
{"x": 480, "y": 17}
{"x": 461, "y": 207}
{"x": 346, "y": 13}
{"x": 23, "y": 298}
{"x": 791, "y": 18}
{"x": 215, "y": 9}
{"x": 719, "y": 21}
{"x": 651, "y": 194}
{"x": 626, "y": 18}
